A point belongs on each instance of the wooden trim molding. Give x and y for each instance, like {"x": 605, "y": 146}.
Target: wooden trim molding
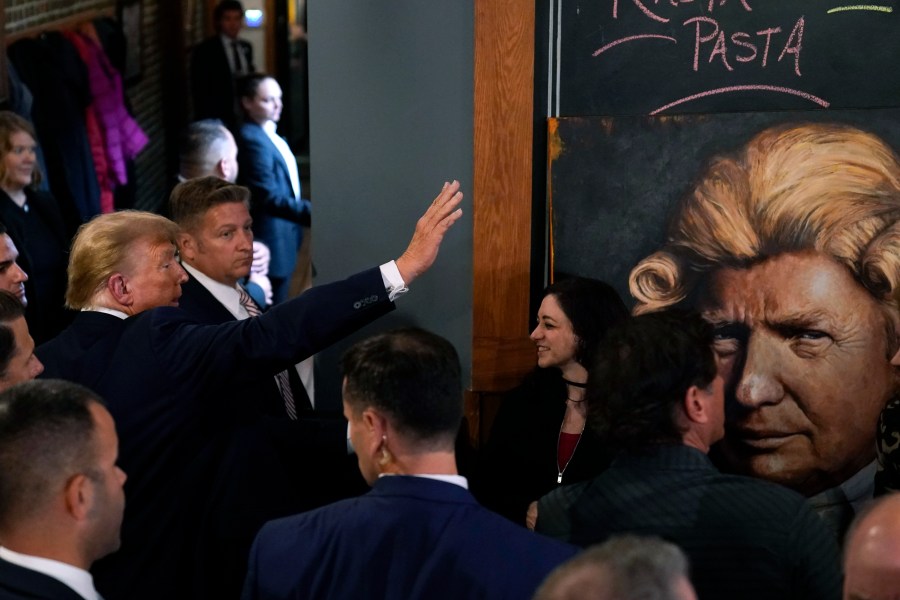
{"x": 504, "y": 98}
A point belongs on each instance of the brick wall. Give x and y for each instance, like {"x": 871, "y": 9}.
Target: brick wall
{"x": 145, "y": 94}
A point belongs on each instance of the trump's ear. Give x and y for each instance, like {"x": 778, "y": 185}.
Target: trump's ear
{"x": 117, "y": 286}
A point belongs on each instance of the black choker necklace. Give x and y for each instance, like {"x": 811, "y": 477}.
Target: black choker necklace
{"x": 575, "y": 384}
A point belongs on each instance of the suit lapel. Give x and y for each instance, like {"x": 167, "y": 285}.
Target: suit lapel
{"x": 201, "y": 304}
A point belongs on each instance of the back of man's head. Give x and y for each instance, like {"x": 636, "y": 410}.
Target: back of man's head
{"x": 642, "y": 373}
{"x": 872, "y": 552}
{"x": 204, "y": 146}
{"x": 411, "y": 375}
{"x": 10, "y": 310}
{"x": 46, "y": 436}
{"x": 622, "y": 568}
{"x": 191, "y": 199}
{"x": 101, "y": 247}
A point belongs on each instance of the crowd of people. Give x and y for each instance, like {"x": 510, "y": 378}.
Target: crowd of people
{"x": 158, "y": 437}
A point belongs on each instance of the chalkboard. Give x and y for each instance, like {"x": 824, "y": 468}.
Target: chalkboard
{"x": 614, "y": 180}
{"x": 632, "y": 57}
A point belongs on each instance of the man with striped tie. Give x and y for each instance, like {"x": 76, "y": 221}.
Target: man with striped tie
{"x": 216, "y": 247}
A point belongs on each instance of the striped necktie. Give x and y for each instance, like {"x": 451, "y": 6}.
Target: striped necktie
{"x": 236, "y": 57}
{"x": 281, "y": 379}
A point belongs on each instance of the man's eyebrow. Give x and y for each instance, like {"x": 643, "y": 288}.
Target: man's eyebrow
{"x": 801, "y": 319}
{"x": 714, "y": 318}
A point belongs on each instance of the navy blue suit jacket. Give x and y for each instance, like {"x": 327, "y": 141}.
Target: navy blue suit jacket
{"x": 20, "y": 583}
{"x": 408, "y": 538}
{"x": 165, "y": 379}
{"x": 277, "y": 215}
{"x": 264, "y": 473}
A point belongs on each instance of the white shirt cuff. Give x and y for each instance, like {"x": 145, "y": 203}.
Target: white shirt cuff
{"x": 393, "y": 282}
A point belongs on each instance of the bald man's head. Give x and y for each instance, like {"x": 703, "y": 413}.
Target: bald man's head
{"x": 872, "y": 557}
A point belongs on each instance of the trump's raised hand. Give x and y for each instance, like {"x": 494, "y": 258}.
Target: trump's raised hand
{"x": 430, "y": 230}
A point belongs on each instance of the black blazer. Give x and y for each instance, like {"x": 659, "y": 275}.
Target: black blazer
{"x": 46, "y": 291}
{"x": 518, "y": 464}
{"x": 745, "y": 538}
{"x": 212, "y": 82}
{"x": 20, "y": 583}
{"x": 168, "y": 383}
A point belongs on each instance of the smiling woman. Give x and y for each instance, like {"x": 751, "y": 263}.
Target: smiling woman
{"x": 35, "y": 226}
{"x": 539, "y": 440}
{"x": 789, "y": 246}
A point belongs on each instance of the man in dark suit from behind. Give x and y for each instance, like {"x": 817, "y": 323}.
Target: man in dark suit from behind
{"x": 216, "y": 61}
{"x": 419, "y": 533}
{"x": 61, "y": 497}
{"x": 655, "y": 396}
{"x": 271, "y": 449}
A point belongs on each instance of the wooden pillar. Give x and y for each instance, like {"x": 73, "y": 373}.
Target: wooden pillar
{"x": 504, "y": 97}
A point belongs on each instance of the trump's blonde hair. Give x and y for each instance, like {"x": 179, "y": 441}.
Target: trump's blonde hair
{"x": 102, "y": 248}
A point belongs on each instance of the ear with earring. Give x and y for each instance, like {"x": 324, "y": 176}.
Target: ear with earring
{"x": 385, "y": 453}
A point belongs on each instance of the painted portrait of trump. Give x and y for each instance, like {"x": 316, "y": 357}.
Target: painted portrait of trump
{"x": 790, "y": 246}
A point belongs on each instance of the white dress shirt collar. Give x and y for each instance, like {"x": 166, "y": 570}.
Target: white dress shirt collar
{"x": 286, "y": 154}
{"x": 454, "y": 479}
{"x": 105, "y": 310}
{"x": 77, "y": 579}
{"x": 229, "y": 297}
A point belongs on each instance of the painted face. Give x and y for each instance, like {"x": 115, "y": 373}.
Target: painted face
{"x": 154, "y": 277}
{"x": 24, "y": 365}
{"x": 803, "y": 350}
{"x": 554, "y": 337}
{"x": 231, "y": 22}
{"x": 222, "y": 246}
{"x": 12, "y": 277}
{"x": 19, "y": 161}
{"x": 266, "y": 104}
{"x": 108, "y": 481}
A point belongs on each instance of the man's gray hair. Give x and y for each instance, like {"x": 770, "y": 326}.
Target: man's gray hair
{"x": 202, "y": 147}
{"x": 627, "y": 567}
